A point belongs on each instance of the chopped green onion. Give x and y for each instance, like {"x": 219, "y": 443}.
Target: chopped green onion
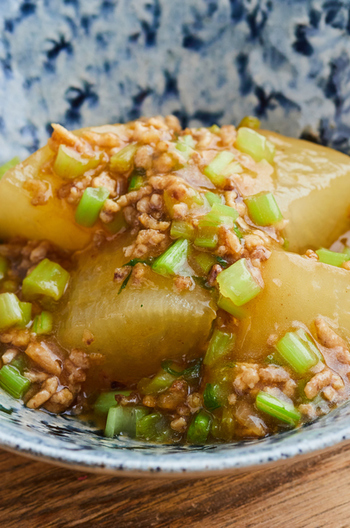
{"x": 19, "y": 362}
{"x": 331, "y": 257}
{"x": 219, "y": 215}
{"x": 189, "y": 373}
{"x": 123, "y": 420}
{"x": 220, "y": 344}
{"x": 48, "y": 279}
{"x": 42, "y": 323}
{"x": 263, "y": 209}
{"x": 7, "y": 166}
{"x": 3, "y": 267}
{"x": 136, "y": 180}
{"x": 106, "y": 400}
{"x": 211, "y": 397}
{"x": 90, "y": 205}
{"x": 224, "y": 428}
{"x": 69, "y": 164}
{"x": 254, "y": 144}
{"x": 10, "y": 311}
{"x": 346, "y": 251}
{"x": 250, "y": 122}
{"x": 199, "y": 428}
{"x": 161, "y": 382}
{"x": 118, "y": 224}
{"x": 277, "y": 408}
{"x": 123, "y": 160}
{"x": 237, "y": 283}
{"x": 298, "y": 351}
{"x": 231, "y": 308}
{"x": 26, "y": 309}
{"x": 205, "y": 261}
{"x": 207, "y": 237}
{"x": 185, "y": 145}
{"x": 214, "y": 129}
{"x": 173, "y": 260}
{"x": 153, "y": 427}
{"x": 274, "y": 359}
{"x": 214, "y": 170}
{"x": 213, "y": 198}
{"x": 13, "y": 382}
{"x": 182, "y": 229}
{"x": 232, "y": 168}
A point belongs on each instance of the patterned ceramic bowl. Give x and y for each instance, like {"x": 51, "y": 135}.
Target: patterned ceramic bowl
{"x": 90, "y": 62}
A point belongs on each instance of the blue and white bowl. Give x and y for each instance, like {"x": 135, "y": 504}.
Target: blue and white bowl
{"x": 90, "y": 62}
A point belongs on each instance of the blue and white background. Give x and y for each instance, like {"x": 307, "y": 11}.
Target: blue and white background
{"x": 88, "y": 62}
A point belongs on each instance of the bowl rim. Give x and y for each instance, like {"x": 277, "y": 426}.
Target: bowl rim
{"x": 160, "y": 460}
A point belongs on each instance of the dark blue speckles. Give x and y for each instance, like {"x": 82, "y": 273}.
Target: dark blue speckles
{"x": 314, "y": 18}
{"x": 107, "y": 7}
{"x": 134, "y": 37}
{"x": 192, "y": 42}
{"x": 28, "y": 8}
{"x": 29, "y": 133}
{"x": 245, "y": 78}
{"x": 237, "y": 10}
{"x": 76, "y": 97}
{"x": 271, "y": 100}
{"x": 6, "y": 65}
{"x": 151, "y": 26}
{"x": 57, "y": 46}
{"x": 207, "y": 118}
{"x": 171, "y": 87}
{"x": 137, "y": 100}
{"x": 301, "y": 44}
{"x": 9, "y": 25}
{"x": 86, "y": 23}
{"x": 337, "y": 14}
{"x": 212, "y": 8}
{"x": 257, "y": 19}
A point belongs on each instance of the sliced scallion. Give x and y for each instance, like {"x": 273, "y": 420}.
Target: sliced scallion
{"x": 277, "y": 408}
{"x": 182, "y": 229}
{"x": 211, "y": 397}
{"x": 69, "y": 163}
{"x": 298, "y": 351}
{"x": 199, "y": 428}
{"x": 123, "y": 420}
{"x": 231, "y": 308}
{"x": 10, "y": 311}
{"x": 205, "y": 261}
{"x": 43, "y": 323}
{"x": 215, "y": 168}
{"x": 153, "y": 427}
{"x": 213, "y": 198}
{"x": 220, "y": 345}
{"x": 13, "y": 382}
{"x": 26, "y": 309}
{"x": 106, "y": 400}
{"x": 263, "y": 209}
{"x": 331, "y": 257}
{"x": 237, "y": 283}
{"x": 123, "y": 160}
{"x": 173, "y": 260}
{"x": 47, "y": 279}
{"x": 207, "y": 237}
{"x": 136, "y": 180}
{"x": 90, "y": 205}
{"x": 118, "y": 224}
{"x": 159, "y": 383}
{"x": 254, "y": 144}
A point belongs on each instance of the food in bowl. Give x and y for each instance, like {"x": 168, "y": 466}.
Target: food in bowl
{"x": 176, "y": 285}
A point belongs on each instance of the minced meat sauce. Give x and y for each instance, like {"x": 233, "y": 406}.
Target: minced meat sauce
{"x": 160, "y": 280}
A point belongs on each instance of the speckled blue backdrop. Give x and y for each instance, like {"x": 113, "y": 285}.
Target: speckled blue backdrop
{"x": 94, "y": 61}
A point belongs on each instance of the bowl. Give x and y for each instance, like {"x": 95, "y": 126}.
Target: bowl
{"x": 94, "y": 62}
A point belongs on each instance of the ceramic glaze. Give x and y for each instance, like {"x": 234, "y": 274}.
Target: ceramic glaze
{"x": 90, "y": 62}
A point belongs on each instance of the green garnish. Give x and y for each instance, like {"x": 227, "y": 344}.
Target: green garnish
{"x": 47, "y": 279}
{"x": 237, "y": 283}
{"x": 277, "y": 408}
{"x": 90, "y": 206}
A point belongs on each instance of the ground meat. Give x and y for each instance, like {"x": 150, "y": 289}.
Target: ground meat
{"x": 308, "y": 410}
{"x": 184, "y": 283}
{"x": 48, "y": 389}
{"x": 321, "y": 380}
{"x": 41, "y": 354}
{"x": 144, "y": 157}
{"x": 173, "y": 397}
{"x": 180, "y": 211}
{"x": 104, "y": 180}
{"x": 9, "y": 355}
{"x": 121, "y": 273}
{"x": 179, "y": 424}
{"x": 134, "y": 196}
{"x": 146, "y": 240}
{"x": 60, "y": 401}
{"x": 214, "y": 272}
{"x": 327, "y": 336}
{"x": 229, "y": 243}
{"x": 16, "y": 337}
{"x": 247, "y": 377}
{"x": 194, "y": 401}
{"x": 151, "y": 223}
{"x": 39, "y": 191}
{"x": 253, "y": 377}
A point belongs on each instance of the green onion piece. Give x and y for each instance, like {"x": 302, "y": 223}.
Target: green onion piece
{"x": 214, "y": 170}
{"x": 173, "y": 260}
{"x": 274, "y": 359}
{"x": 277, "y": 408}
{"x": 250, "y": 122}
{"x": 199, "y": 428}
{"x": 123, "y": 420}
{"x": 7, "y": 166}
{"x": 220, "y": 344}
{"x": 182, "y": 229}
{"x": 42, "y": 323}
{"x": 3, "y": 267}
{"x": 90, "y": 206}
{"x": 185, "y": 145}
{"x": 118, "y": 224}
{"x": 136, "y": 180}
{"x": 26, "y": 309}
{"x": 213, "y": 198}
{"x": 13, "y": 382}
{"x": 153, "y": 427}
{"x": 231, "y": 308}
{"x": 224, "y": 428}
{"x": 159, "y": 383}
{"x": 106, "y": 400}
{"x": 219, "y": 215}
{"x": 205, "y": 261}
{"x": 19, "y": 362}
{"x": 48, "y": 279}
{"x": 190, "y": 373}
{"x": 214, "y": 129}
{"x": 10, "y": 311}
{"x": 331, "y": 257}
{"x": 207, "y": 237}
{"x": 123, "y": 160}
{"x": 237, "y": 283}
{"x": 346, "y": 251}
{"x": 298, "y": 351}
{"x": 232, "y": 168}
{"x": 254, "y": 144}
{"x": 263, "y": 209}
{"x": 69, "y": 164}
{"x": 211, "y": 397}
